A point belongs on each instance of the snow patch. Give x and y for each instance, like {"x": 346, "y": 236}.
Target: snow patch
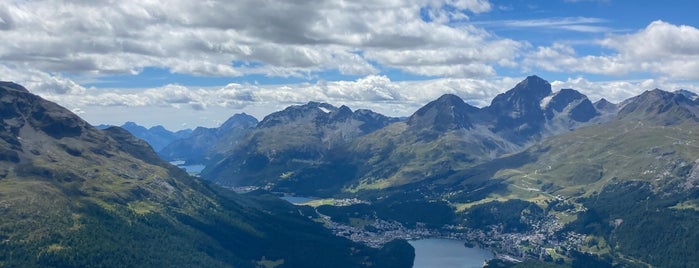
{"x": 545, "y": 101}
{"x": 325, "y": 110}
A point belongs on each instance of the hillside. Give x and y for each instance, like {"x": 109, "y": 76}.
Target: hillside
{"x": 539, "y": 174}
{"x": 636, "y": 174}
{"x": 76, "y": 196}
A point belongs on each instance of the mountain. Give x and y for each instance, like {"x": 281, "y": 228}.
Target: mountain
{"x": 660, "y": 107}
{"x": 76, "y": 196}
{"x": 205, "y": 144}
{"x": 637, "y": 174}
{"x": 449, "y": 112}
{"x": 328, "y": 150}
{"x": 292, "y": 145}
{"x": 517, "y": 113}
{"x": 604, "y": 106}
{"x": 443, "y": 136}
{"x": 531, "y": 111}
{"x": 448, "y": 135}
{"x": 537, "y": 174}
{"x": 688, "y": 94}
{"x": 158, "y": 137}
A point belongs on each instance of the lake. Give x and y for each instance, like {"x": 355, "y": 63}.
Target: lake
{"x": 447, "y": 253}
{"x": 191, "y": 169}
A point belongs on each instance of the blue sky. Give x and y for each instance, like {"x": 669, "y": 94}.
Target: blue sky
{"x": 187, "y": 63}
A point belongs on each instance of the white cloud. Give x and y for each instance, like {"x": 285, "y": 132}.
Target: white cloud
{"x": 576, "y": 24}
{"x": 173, "y": 105}
{"x": 661, "y": 48}
{"x": 283, "y": 38}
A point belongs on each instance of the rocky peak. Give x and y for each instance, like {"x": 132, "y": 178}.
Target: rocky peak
{"x": 562, "y": 98}
{"x": 576, "y": 105}
{"x": 449, "y": 112}
{"x": 659, "y": 106}
{"x": 306, "y": 113}
{"x": 531, "y": 88}
{"x": 690, "y": 95}
{"x": 13, "y": 85}
{"x": 603, "y": 105}
{"x": 19, "y": 108}
{"x": 517, "y": 113}
{"x": 343, "y": 113}
{"x": 241, "y": 119}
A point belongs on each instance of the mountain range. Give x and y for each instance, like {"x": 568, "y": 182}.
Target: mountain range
{"x": 537, "y": 174}
{"x": 319, "y": 149}
{"x": 204, "y": 144}
{"x": 72, "y": 195}
{"x": 157, "y": 137}
{"x": 545, "y": 158}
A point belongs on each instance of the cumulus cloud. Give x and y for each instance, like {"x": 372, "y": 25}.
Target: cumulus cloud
{"x": 41, "y": 82}
{"x": 284, "y": 38}
{"x": 661, "y": 48}
{"x": 620, "y": 90}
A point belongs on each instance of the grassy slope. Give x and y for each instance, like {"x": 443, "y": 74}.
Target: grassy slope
{"x": 635, "y": 175}
{"x": 71, "y": 195}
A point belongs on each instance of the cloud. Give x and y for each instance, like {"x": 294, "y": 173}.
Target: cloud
{"x": 661, "y": 48}
{"x": 41, "y": 82}
{"x": 373, "y": 91}
{"x": 620, "y": 90}
{"x": 172, "y": 105}
{"x": 284, "y": 38}
{"x": 575, "y": 24}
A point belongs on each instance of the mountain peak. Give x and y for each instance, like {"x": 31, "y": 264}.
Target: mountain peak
{"x": 307, "y": 112}
{"x": 13, "y": 85}
{"x": 604, "y": 105}
{"x": 660, "y": 106}
{"x": 690, "y": 95}
{"x": 575, "y": 105}
{"x": 538, "y": 87}
{"x": 239, "y": 119}
{"x": 448, "y": 112}
{"x": 519, "y": 110}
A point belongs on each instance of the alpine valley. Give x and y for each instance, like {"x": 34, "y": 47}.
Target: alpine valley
{"x": 538, "y": 177}
{"x": 542, "y": 178}
{"x": 75, "y": 196}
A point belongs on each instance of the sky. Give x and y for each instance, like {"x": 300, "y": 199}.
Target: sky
{"x": 182, "y": 64}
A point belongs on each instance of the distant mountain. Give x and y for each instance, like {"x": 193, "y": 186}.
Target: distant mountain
{"x": 158, "y": 137}
{"x": 688, "y": 94}
{"x": 603, "y": 105}
{"x": 207, "y": 144}
{"x": 448, "y": 135}
{"x": 530, "y": 111}
{"x": 76, "y": 196}
{"x": 320, "y": 149}
{"x": 660, "y": 107}
{"x": 292, "y": 144}
{"x": 535, "y": 170}
{"x": 449, "y": 112}
{"x": 517, "y": 113}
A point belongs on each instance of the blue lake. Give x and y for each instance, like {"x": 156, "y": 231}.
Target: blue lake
{"x": 447, "y": 253}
